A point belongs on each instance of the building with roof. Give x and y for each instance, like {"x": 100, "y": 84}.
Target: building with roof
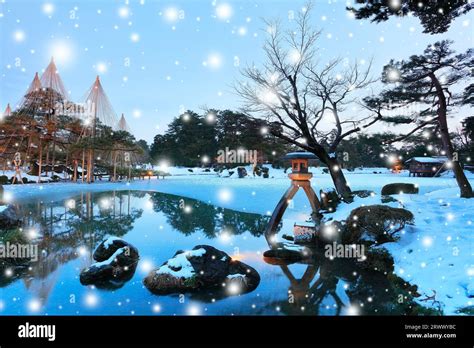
{"x": 426, "y": 166}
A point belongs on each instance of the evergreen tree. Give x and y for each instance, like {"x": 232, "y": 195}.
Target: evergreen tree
{"x": 365, "y": 150}
{"x": 435, "y": 16}
{"x": 188, "y": 141}
{"x": 426, "y": 81}
{"x": 193, "y": 139}
{"x": 236, "y": 130}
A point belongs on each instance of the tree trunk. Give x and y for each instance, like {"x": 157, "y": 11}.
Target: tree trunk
{"x": 67, "y": 172}
{"x": 29, "y": 146}
{"x": 40, "y": 160}
{"x": 115, "y": 167}
{"x": 47, "y": 159}
{"x": 83, "y": 165}
{"x": 463, "y": 183}
{"x": 339, "y": 179}
{"x": 90, "y": 167}
{"x": 75, "y": 170}
{"x": 337, "y": 176}
{"x": 53, "y": 162}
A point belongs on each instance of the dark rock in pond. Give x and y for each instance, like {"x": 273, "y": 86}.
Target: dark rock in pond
{"x": 241, "y": 278}
{"x": 279, "y": 256}
{"x": 190, "y": 170}
{"x": 109, "y": 246}
{"x": 210, "y": 264}
{"x": 10, "y": 218}
{"x": 397, "y": 188}
{"x": 111, "y": 273}
{"x": 117, "y": 262}
{"x": 288, "y": 237}
{"x": 202, "y": 268}
{"x": 376, "y": 223}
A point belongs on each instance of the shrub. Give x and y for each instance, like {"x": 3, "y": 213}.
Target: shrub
{"x": 379, "y": 223}
{"x": 329, "y": 200}
{"x": 397, "y": 188}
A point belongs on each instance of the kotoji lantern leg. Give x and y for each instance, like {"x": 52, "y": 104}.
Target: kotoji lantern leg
{"x": 285, "y": 201}
{"x": 314, "y": 201}
{"x": 279, "y": 211}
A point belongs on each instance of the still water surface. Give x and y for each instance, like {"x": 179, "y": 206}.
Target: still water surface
{"x": 159, "y": 225}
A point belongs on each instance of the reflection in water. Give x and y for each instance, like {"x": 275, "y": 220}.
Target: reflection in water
{"x": 206, "y": 218}
{"x": 347, "y": 286}
{"x": 66, "y": 230}
{"x": 63, "y": 231}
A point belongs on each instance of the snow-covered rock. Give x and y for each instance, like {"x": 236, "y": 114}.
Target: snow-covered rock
{"x": 200, "y": 269}
{"x": 109, "y": 246}
{"x": 116, "y": 264}
{"x": 9, "y": 217}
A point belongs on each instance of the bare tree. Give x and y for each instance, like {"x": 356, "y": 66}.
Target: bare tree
{"x": 305, "y": 103}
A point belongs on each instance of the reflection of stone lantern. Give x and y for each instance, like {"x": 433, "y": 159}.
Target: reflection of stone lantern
{"x": 300, "y": 178}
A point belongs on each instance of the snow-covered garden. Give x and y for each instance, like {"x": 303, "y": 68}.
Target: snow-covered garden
{"x": 435, "y": 252}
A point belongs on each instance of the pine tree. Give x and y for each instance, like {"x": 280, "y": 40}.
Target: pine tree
{"x": 423, "y": 85}
{"x": 435, "y": 16}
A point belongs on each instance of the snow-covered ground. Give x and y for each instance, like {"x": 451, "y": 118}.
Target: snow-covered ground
{"x": 32, "y": 178}
{"x": 437, "y": 253}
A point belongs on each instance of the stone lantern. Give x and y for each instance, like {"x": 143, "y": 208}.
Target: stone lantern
{"x": 300, "y": 178}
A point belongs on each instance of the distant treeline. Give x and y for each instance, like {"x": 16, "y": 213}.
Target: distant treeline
{"x": 195, "y": 140}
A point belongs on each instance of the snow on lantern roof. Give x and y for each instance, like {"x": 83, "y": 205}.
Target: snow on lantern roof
{"x": 300, "y": 155}
{"x": 434, "y": 159}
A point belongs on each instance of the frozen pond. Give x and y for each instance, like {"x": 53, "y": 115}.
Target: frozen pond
{"x": 158, "y": 225}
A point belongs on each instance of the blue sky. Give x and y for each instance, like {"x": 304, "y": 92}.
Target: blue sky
{"x": 157, "y": 58}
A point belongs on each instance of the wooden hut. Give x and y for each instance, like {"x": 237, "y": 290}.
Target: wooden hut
{"x": 426, "y": 166}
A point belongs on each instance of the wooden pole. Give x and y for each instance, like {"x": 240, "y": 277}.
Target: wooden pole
{"x": 94, "y": 120}
{"x": 115, "y": 166}
{"x": 47, "y": 159}
{"x": 83, "y": 164}
{"x": 67, "y": 160}
{"x": 40, "y": 163}
{"x": 75, "y": 170}
{"x": 53, "y": 161}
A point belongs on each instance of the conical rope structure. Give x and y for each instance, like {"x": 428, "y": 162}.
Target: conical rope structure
{"x": 123, "y": 125}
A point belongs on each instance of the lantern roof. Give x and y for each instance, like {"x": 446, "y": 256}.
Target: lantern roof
{"x": 300, "y": 155}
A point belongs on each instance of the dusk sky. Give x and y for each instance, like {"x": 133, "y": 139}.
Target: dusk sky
{"x": 159, "y": 58}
